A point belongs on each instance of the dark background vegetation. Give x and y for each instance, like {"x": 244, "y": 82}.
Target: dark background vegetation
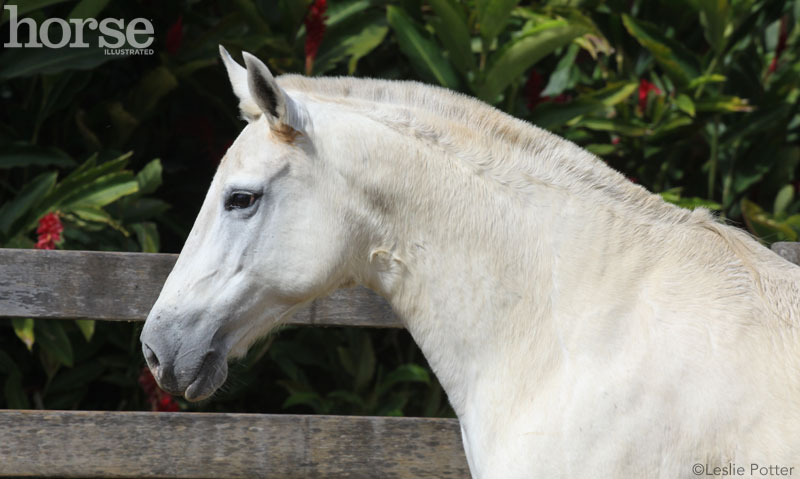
{"x": 694, "y": 99}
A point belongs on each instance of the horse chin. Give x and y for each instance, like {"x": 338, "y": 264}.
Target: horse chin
{"x": 210, "y": 377}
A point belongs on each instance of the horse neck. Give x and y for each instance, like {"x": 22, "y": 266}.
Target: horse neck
{"x": 479, "y": 272}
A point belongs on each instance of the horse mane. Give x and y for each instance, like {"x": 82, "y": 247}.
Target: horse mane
{"x": 510, "y": 151}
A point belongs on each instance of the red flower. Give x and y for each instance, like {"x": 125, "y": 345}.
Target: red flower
{"x": 645, "y": 87}
{"x": 175, "y": 36}
{"x": 533, "y": 92}
{"x": 533, "y": 89}
{"x": 315, "y": 29}
{"x": 147, "y": 382}
{"x": 167, "y": 404}
{"x": 49, "y": 231}
{"x": 158, "y": 399}
{"x": 780, "y": 47}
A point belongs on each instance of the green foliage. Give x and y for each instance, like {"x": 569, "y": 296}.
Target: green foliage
{"x": 696, "y": 100}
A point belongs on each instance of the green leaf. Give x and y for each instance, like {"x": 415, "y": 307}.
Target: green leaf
{"x": 91, "y": 213}
{"x": 149, "y": 179}
{"x": 685, "y": 104}
{"x": 511, "y": 62}
{"x": 360, "y": 45}
{"x": 147, "y": 235}
{"x": 23, "y": 328}
{"x": 135, "y": 210}
{"x": 724, "y": 104}
{"x": 26, "y": 62}
{"x": 404, "y": 374}
{"x": 783, "y": 199}
{"x": 796, "y": 12}
{"x": 21, "y": 204}
{"x": 493, "y": 16}
{"x": 450, "y": 25}
{"x": 51, "y": 336}
{"x": 83, "y": 177}
{"x": 17, "y": 155}
{"x": 676, "y": 60}
{"x": 104, "y": 190}
{"x": 74, "y": 378}
{"x": 310, "y": 399}
{"x": 755, "y": 122}
{"x": 59, "y": 91}
{"x": 600, "y": 149}
{"x": 424, "y": 54}
{"x": 365, "y": 368}
{"x": 341, "y": 12}
{"x": 702, "y": 80}
{"x": 87, "y": 327}
{"x": 764, "y": 225}
{"x": 613, "y": 93}
{"x": 346, "y": 360}
{"x": 366, "y": 34}
{"x": 26, "y": 6}
{"x": 20, "y": 241}
{"x": 690, "y": 202}
{"x": 619, "y": 127}
{"x": 110, "y": 194}
{"x": 551, "y": 115}
{"x": 562, "y": 76}
{"x": 393, "y": 406}
{"x": 668, "y": 127}
{"x": 348, "y": 397}
{"x": 351, "y": 30}
{"x": 14, "y": 394}
{"x": 715, "y": 18}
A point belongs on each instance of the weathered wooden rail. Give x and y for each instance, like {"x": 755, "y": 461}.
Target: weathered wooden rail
{"x": 124, "y": 286}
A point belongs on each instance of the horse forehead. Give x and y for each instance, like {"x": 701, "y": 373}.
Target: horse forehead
{"x": 253, "y": 151}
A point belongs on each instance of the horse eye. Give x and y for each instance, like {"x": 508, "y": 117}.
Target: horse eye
{"x": 240, "y": 200}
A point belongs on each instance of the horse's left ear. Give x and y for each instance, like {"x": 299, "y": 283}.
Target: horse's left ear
{"x": 238, "y": 77}
{"x": 266, "y": 93}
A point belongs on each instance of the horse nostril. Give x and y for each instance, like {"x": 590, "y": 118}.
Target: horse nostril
{"x": 150, "y": 357}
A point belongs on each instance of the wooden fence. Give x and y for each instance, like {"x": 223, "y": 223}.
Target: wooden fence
{"x": 123, "y": 287}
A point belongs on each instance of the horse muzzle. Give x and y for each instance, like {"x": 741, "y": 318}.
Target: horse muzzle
{"x": 182, "y": 369}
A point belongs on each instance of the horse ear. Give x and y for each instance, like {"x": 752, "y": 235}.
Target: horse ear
{"x": 269, "y": 97}
{"x": 238, "y": 77}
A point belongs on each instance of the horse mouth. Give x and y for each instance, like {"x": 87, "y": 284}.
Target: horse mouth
{"x": 210, "y": 376}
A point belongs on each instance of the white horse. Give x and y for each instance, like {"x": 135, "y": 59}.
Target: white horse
{"x": 581, "y": 326}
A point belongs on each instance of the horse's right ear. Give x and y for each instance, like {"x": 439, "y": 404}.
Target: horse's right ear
{"x": 269, "y": 97}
